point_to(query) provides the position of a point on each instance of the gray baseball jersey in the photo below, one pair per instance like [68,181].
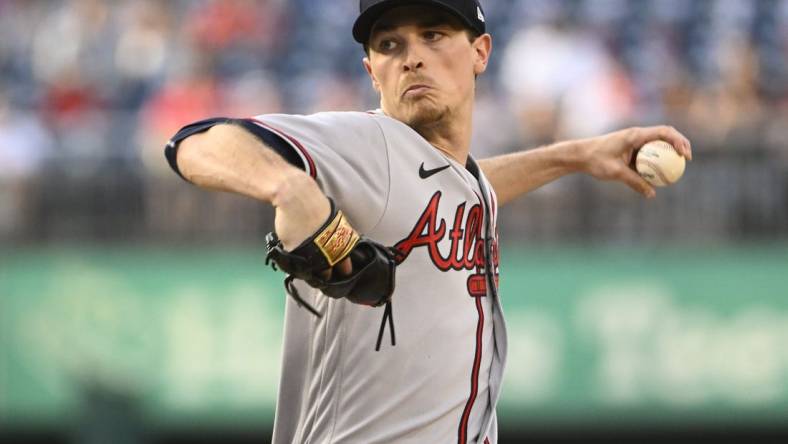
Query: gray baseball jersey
[441,381]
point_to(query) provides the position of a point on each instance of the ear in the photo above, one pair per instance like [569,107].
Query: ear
[368,67]
[482,47]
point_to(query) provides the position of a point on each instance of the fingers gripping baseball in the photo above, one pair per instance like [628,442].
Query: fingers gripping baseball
[612,156]
[641,136]
[637,183]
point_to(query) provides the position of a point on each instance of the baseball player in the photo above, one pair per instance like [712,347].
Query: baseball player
[384,219]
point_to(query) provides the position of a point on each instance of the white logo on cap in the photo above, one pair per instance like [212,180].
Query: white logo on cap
[479,13]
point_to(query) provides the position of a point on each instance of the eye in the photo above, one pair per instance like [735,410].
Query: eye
[432,36]
[386,45]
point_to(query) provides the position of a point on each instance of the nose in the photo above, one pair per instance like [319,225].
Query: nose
[413,59]
[412,64]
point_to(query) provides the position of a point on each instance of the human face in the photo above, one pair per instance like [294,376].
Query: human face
[423,64]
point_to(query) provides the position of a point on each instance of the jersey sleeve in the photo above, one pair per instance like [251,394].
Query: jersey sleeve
[346,153]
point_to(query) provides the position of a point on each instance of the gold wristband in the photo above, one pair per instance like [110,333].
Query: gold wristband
[337,240]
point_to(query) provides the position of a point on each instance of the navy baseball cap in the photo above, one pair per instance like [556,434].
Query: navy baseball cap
[470,12]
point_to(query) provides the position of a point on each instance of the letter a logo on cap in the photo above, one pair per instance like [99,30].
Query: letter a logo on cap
[479,13]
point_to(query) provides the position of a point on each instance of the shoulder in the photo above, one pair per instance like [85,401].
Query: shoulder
[330,127]
[343,119]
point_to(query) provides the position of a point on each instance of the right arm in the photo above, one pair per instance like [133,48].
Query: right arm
[228,158]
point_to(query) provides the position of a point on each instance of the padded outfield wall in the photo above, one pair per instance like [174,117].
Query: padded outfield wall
[599,337]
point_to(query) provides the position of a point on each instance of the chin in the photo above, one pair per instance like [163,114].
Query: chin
[424,115]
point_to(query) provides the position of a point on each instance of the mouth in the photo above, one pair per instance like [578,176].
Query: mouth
[416,89]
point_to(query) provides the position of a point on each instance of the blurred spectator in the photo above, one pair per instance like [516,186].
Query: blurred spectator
[143,49]
[93,86]
[728,109]
[252,94]
[563,83]
[337,93]
[184,98]
[24,146]
[24,142]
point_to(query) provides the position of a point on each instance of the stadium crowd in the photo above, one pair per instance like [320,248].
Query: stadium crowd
[91,89]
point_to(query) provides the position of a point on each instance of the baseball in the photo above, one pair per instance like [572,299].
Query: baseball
[659,163]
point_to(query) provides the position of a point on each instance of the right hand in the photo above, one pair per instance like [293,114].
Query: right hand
[612,156]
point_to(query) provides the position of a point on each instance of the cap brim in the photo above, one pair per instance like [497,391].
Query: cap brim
[364,23]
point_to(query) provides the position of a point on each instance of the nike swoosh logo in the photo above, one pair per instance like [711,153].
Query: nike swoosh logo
[425,174]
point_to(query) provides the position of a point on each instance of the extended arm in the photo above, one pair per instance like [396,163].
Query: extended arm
[608,157]
[228,158]
[313,238]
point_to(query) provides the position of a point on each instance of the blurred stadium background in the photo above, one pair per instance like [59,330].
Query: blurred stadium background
[136,309]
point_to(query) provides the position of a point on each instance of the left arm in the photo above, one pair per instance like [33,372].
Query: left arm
[609,157]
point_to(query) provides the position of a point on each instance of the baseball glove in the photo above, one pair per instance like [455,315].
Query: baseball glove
[371,282]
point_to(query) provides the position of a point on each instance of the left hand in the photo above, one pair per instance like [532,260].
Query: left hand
[612,156]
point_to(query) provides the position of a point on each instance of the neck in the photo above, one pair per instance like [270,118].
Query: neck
[451,133]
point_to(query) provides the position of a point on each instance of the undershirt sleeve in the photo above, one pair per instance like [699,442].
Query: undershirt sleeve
[269,138]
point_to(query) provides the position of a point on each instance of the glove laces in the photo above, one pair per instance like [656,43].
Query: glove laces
[388,315]
[292,291]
